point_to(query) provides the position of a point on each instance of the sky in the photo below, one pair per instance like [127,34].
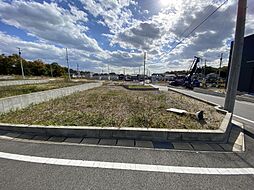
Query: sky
[111,35]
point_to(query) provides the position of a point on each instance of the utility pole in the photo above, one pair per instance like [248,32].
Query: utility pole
[78,72]
[67,61]
[235,63]
[221,55]
[139,70]
[21,64]
[144,67]
[205,68]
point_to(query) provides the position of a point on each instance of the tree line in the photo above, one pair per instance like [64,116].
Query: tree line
[10,65]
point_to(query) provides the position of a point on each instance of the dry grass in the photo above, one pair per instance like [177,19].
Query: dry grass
[6,91]
[117,107]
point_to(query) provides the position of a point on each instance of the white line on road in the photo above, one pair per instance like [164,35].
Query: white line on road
[128,166]
[239,117]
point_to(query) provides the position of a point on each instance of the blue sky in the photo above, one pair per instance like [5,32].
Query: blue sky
[114,33]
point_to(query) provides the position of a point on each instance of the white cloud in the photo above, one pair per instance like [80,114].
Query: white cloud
[49,22]
[115,13]
[166,27]
[57,27]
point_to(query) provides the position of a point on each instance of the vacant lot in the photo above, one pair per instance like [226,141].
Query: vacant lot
[6,91]
[117,107]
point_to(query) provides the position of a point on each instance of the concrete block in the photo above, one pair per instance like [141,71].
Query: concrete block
[13,135]
[222,137]
[216,147]
[106,133]
[94,141]
[41,138]
[34,130]
[201,147]
[57,139]
[26,136]
[124,142]
[73,140]
[111,142]
[93,133]
[182,146]
[173,136]
[144,144]
[162,145]
[227,147]
[190,136]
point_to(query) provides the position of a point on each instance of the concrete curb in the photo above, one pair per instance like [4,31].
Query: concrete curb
[200,99]
[204,91]
[174,135]
[21,82]
[219,136]
[141,89]
[240,98]
[21,101]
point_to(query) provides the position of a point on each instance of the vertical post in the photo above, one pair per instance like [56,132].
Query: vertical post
[67,61]
[78,72]
[144,67]
[221,55]
[21,64]
[205,68]
[124,77]
[235,63]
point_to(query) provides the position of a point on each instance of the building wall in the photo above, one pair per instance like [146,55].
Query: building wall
[246,78]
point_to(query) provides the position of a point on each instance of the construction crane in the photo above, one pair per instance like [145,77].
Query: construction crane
[187,81]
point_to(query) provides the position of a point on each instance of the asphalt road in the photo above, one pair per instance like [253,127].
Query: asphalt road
[26,175]
[16,174]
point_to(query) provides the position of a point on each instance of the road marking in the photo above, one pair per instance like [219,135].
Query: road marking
[239,117]
[128,166]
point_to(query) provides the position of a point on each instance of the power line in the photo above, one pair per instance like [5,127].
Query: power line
[207,9]
[198,25]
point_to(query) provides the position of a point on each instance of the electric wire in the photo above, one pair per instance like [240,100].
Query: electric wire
[212,13]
